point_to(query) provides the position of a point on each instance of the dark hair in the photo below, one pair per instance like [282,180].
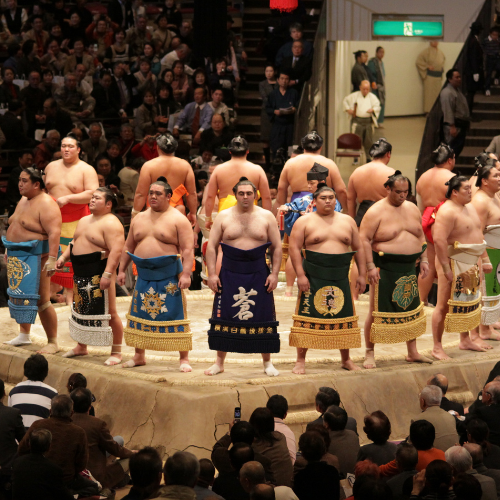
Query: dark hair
[119,30]
[422,435]
[358,53]
[2,389]
[262,421]
[484,171]
[296,26]
[442,154]
[105,72]
[312,446]
[52,102]
[284,71]
[244,182]
[481,159]
[449,73]
[467,487]
[76,380]
[323,401]
[406,456]
[145,467]
[367,487]
[207,471]
[240,454]
[438,477]
[35,175]
[82,399]
[312,141]
[28,47]
[36,368]
[392,179]
[100,157]
[71,135]
[109,196]
[163,85]
[137,163]
[181,469]
[12,50]
[322,431]
[336,418]
[380,148]
[323,187]
[162,181]
[377,427]
[40,440]
[278,406]
[167,143]
[378,48]
[61,406]
[480,433]
[454,184]
[47,71]
[15,105]
[242,432]
[334,395]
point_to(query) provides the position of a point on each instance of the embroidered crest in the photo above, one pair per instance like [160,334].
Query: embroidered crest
[329,300]
[405,291]
[153,303]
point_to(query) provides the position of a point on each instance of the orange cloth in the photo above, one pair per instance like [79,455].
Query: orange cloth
[425,457]
[177,195]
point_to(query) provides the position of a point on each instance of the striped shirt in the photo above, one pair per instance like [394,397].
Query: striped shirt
[32,399]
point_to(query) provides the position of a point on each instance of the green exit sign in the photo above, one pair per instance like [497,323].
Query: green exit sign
[408,28]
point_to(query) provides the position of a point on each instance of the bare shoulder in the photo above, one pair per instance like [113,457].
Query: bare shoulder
[448,210]
[53,165]
[111,221]
[412,209]
[376,209]
[82,165]
[47,202]
[345,219]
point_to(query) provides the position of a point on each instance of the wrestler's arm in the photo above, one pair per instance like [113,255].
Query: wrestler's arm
[483,219]
[186,244]
[367,230]
[441,229]
[351,197]
[265,194]
[192,198]
[274,237]
[481,209]
[211,255]
[359,257]
[51,222]
[114,238]
[339,185]
[211,190]
[141,192]
[295,245]
[282,189]
[90,184]
[125,258]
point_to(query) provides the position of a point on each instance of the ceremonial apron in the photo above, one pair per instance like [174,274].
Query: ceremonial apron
[490,284]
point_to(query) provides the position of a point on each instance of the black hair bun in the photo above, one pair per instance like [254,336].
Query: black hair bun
[162,179]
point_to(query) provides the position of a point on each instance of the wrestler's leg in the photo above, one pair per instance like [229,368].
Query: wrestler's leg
[48,315]
[290,277]
[116,326]
[347,363]
[300,365]
[482,333]
[218,366]
[425,284]
[269,369]
[184,365]
[467,344]
[24,336]
[413,355]
[439,314]
[139,359]
[370,346]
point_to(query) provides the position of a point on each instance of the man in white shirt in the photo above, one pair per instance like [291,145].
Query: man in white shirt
[178,54]
[364,107]
[218,107]
[278,406]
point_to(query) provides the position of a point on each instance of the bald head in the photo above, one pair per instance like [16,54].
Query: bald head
[439,380]
[263,492]
[251,474]
[364,87]
[476,452]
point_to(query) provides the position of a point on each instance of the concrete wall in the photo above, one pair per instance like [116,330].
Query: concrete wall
[351,19]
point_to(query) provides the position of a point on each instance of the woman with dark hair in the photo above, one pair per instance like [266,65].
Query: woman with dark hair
[174,15]
[165,103]
[199,80]
[9,91]
[272,444]
[434,483]
[150,55]
[224,79]
[119,51]
[162,36]
[29,62]
[146,114]
[73,28]
[146,80]
[180,83]
[330,459]
[167,76]
[78,380]
[378,429]
[113,149]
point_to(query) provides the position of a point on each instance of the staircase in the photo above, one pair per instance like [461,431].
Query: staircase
[255,14]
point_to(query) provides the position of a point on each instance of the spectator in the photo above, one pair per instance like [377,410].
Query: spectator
[72,100]
[121,13]
[186,33]
[467,487]
[114,155]
[178,54]
[217,136]
[29,61]
[100,32]
[44,152]
[489,412]
[330,459]
[334,396]
[206,480]
[272,444]
[278,406]
[146,115]
[461,461]
[119,51]
[195,117]
[13,127]
[107,102]
[69,447]
[441,381]
[32,396]
[54,118]
[162,36]
[73,29]
[317,479]
[224,79]
[204,161]
[251,475]
[150,55]
[77,380]
[12,62]
[37,34]
[124,84]
[344,443]
[370,488]
[296,34]
[100,442]
[32,97]
[377,70]
[127,141]
[147,148]
[476,452]
[95,144]
[138,36]
[25,160]
[48,87]
[281,107]
[146,472]
[227,484]
[180,473]
[165,103]
[167,76]
[79,56]
[199,80]
[477,432]
[174,15]
[377,429]
[111,179]
[14,17]
[298,66]
[56,31]
[265,88]
[146,80]
[35,476]
[218,106]
[82,11]
[180,82]
[435,482]
[82,80]
[54,59]
[474,69]
[360,71]
[8,90]
[407,459]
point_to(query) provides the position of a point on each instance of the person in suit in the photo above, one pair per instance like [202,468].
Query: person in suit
[12,127]
[296,33]
[489,411]
[107,103]
[443,422]
[298,66]
[53,118]
[478,433]
[100,442]
[121,12]
[474,69]
[440,380]
[123,84]
[476,452]
[35,476]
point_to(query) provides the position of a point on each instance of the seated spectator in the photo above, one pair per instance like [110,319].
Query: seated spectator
[278,406]
[57,34]
[180,82]
[478,432]
[227,484]
[29,62]
[217,136]
[180,53]
[145,471]
[173,14]
[180,473]
[317,479]
[444,423]
[147,148]
[370,488]
[150,55]
[344,443]
[146,80]
[124,84]
[79,56]
[167,76]
[73,29]
[199,80]
[467,487]
[34,476]
[107,101]
[186,33]
[54,118]
[127,141]
[195,117]
[69,447]
[44,152]
[77,380]
[377,429]
[461,461]
[204,161]
[297,66]
[441,381]
[225,80]
[48,87]
[72,101]
[95,144]
[146,115]
[218,106]
[111,179]
[162,36]
[407,459]
[272,444]
[119,51]
[100,442]
[137,36]
[54,59]
[25,160]
[12,62]
[82,80]
[296,33]
[37,34]
[113,153]
[476,453]
[165,102]
[100,32]
[32,97]
[32,396]
[206,480]
[9,91]
[13,128]
[252,474]
[435,482]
